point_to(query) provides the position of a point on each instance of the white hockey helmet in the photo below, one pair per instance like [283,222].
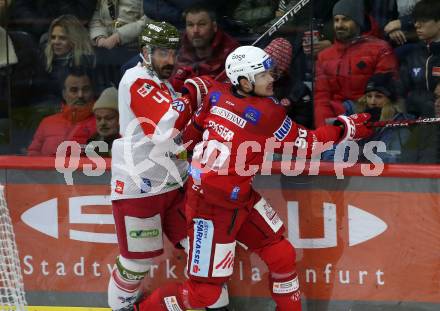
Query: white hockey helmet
[247,61]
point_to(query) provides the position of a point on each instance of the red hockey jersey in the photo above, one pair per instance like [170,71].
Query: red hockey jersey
[237,133]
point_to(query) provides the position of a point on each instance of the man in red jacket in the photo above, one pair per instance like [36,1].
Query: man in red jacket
[342,70]
[204,46]
[76,113]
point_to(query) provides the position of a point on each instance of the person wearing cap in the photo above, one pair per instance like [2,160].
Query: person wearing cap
[381,101]
[402,144]
[295,99]
[106,114]
[420,73]
[420,69]
[343,69]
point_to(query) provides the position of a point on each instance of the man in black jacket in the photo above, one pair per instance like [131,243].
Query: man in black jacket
[420,70]
[419,75]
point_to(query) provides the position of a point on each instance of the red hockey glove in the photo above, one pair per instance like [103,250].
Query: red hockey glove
[354,126]
[198,89]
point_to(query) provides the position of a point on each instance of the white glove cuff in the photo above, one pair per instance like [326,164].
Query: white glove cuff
[349,128]
[201,88]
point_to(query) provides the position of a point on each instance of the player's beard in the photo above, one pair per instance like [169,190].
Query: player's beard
[164,72]
[345,34]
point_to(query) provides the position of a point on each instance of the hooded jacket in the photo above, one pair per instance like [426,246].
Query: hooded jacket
[55,129]
[342,71]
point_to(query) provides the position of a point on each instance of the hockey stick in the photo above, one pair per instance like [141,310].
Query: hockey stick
[280,22]
[403,123]
[283,19]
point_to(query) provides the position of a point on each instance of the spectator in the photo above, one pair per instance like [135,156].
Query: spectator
[254,13]
[117,23]
[68,46]
[76,111]
[380,101]
[295,100]
[204,46]
[343,69]
[419,74]
[35,16]
[400,23]
[170,11]
[420,70]
[7,55]
[107,121]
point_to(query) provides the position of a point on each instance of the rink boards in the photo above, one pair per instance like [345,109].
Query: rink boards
[363,243]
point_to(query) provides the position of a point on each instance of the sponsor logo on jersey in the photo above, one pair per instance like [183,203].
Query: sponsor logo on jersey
[178,105]
[252,115]
[172,304]
[228,115]
[201,248]
[145,89]
[285,287]
[234,193]
[223,260]
[214,97]
[119,187]
[284,129]
[143,234]
[145,185]
[228,102]
[269,215]
[222,130]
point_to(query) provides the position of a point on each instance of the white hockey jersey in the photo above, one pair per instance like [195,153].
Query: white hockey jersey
[145,160]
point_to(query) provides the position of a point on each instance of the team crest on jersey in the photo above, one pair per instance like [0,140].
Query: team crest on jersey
[145,89]
[145,185]
[214,97]
[178,105]
[252,115]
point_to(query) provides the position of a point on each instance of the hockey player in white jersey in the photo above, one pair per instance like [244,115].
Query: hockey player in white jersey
[148,174]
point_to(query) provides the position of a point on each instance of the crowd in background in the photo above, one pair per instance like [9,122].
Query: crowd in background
[61,62]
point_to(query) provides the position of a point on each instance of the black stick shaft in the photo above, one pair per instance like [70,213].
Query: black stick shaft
[283,19]
[403,123]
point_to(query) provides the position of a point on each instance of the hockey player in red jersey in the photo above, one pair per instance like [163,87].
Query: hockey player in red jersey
[236,126]
[147,174]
